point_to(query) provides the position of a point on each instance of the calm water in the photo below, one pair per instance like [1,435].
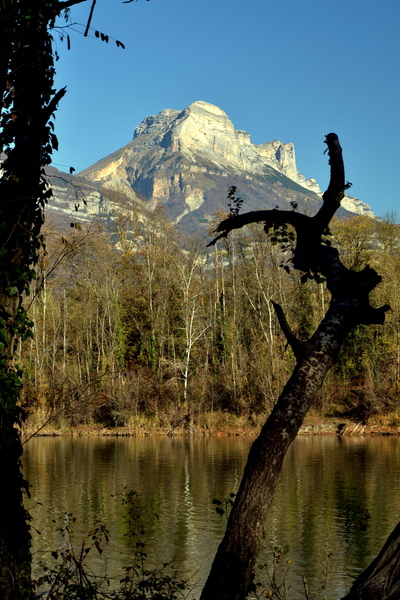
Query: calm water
[324,483]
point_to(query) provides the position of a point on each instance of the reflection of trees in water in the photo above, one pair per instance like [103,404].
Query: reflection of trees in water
[323,481]
[325,484]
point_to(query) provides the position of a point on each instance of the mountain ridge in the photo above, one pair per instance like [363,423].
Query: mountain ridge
[185,160]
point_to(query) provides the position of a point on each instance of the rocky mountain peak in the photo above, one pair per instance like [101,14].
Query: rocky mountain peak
[280,156]
[185,160]
[204,114]
[203,129]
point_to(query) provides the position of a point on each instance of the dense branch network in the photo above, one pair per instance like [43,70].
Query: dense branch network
[312,255]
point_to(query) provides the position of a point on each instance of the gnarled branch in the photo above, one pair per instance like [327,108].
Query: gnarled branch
[312,254]
[272,217]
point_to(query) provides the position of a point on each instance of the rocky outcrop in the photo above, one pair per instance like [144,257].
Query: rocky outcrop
[205,130]
[354,205]
[282,158]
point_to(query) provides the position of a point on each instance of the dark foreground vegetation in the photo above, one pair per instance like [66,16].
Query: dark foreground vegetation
[162,333]
[78,569]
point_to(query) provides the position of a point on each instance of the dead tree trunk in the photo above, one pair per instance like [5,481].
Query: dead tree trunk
[231,572]
[381,580]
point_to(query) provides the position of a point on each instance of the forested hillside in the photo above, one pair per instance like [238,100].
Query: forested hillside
[164,332]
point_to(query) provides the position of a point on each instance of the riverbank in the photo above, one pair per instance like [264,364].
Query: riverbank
[313,425]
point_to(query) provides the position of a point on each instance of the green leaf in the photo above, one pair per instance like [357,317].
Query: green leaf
[54,141]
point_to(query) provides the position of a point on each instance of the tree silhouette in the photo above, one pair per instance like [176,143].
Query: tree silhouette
[231,572]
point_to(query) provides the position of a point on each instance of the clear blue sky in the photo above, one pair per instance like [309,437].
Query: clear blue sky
[292,70]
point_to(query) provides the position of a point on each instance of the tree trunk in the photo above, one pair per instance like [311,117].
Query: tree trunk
[15,557]
[231,572]
[28,101]
[381,580]
[232,568]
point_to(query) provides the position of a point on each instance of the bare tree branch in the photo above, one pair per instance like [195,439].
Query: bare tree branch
[68,3]
[297,345]
[272,217]
[312,255]
[89,18]
[307,228]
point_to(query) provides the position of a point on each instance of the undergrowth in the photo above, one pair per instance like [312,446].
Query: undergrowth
[69,576]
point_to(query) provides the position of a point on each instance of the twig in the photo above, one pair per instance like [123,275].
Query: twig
[305,584]
[90,18]
[76,390]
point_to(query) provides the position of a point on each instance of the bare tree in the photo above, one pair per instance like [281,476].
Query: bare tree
[231,572]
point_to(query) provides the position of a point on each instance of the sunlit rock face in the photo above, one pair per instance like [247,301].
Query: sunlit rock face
[354,205]
[282,157]
[186,160]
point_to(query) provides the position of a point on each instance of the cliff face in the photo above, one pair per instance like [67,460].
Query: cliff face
[186,160]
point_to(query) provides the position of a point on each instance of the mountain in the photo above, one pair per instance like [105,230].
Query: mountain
[185,161]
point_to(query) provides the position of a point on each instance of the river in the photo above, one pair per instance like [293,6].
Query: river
[325,485]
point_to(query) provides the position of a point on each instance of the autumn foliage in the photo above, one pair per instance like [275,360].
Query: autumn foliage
[149,329]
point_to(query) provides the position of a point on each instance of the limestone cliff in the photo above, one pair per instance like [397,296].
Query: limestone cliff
[186,160]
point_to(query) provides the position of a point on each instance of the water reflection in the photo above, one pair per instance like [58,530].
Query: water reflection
[323,482]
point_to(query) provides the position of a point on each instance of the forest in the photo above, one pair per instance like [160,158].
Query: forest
[144,328]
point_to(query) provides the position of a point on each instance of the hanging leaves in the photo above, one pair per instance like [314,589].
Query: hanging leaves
[106,38]
[234,203]
[54,141]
